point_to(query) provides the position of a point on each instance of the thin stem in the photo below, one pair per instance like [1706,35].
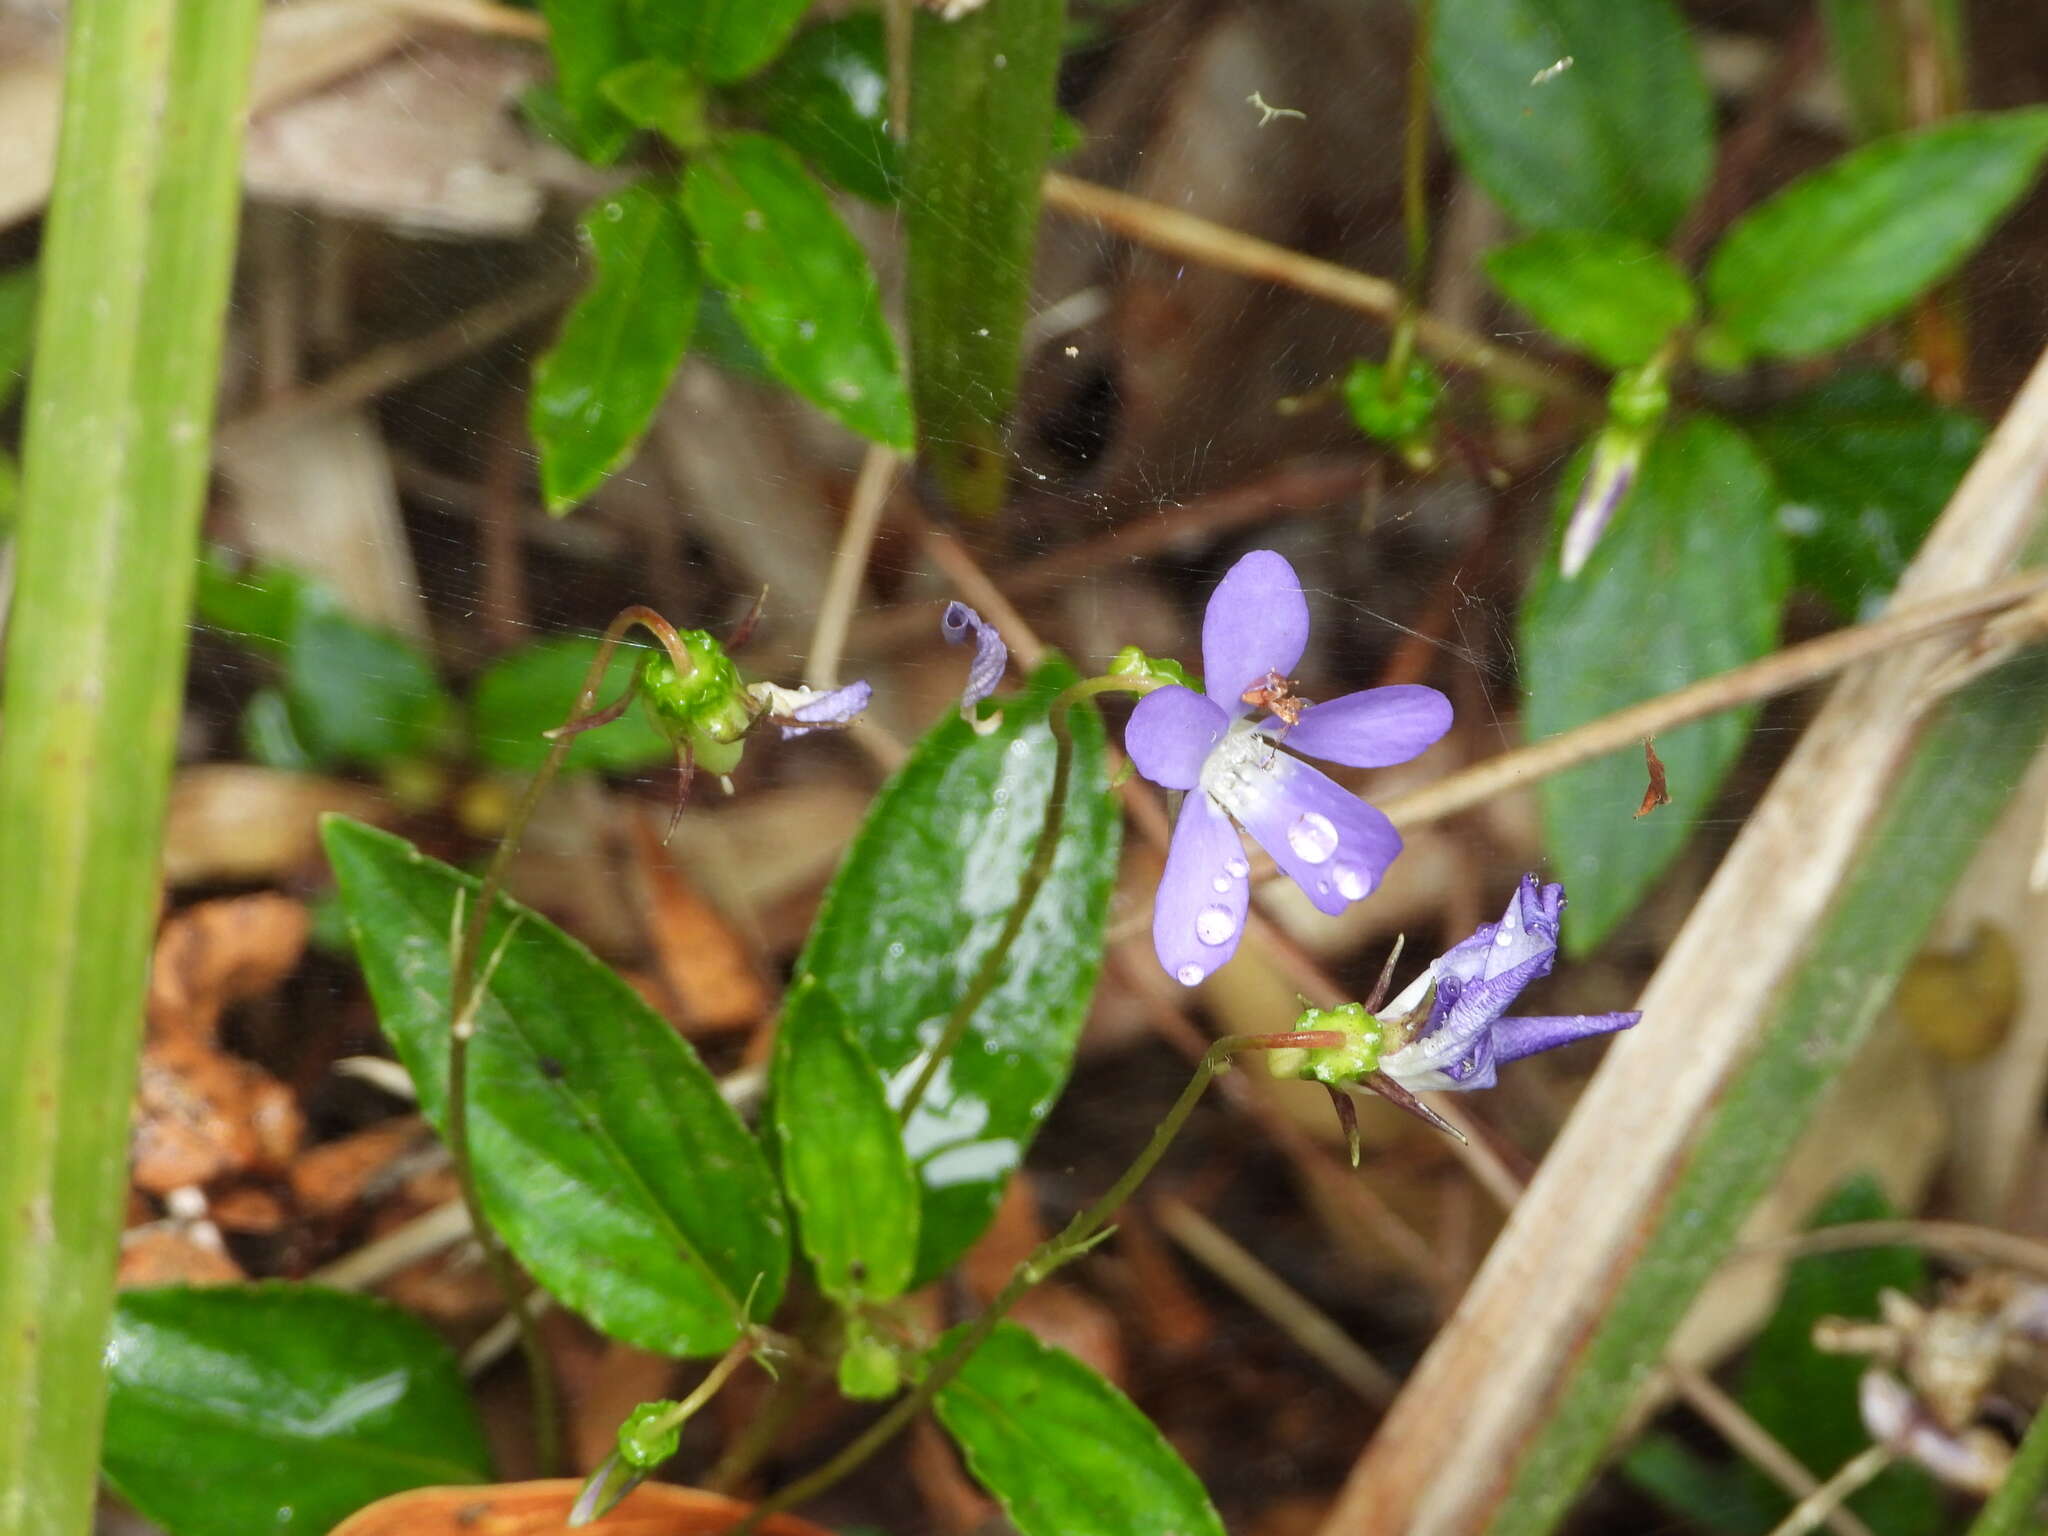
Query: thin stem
[1183,234]
[1758,1445]
[465,995]
[1075,1239]
[1414,195]
[849,565]
[1816,1506]
[1955,1240]
[1791,668]
[1035,875]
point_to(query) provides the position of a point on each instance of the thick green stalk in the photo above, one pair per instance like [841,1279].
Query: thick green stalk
[2011,1511]
[1960,776]
[136,258]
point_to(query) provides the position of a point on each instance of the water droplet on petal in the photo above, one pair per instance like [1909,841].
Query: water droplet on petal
[1503,938]
[1237,869]
[1215,925]
[1220,884]
[1353,883]
[1190,974]
[1312,837]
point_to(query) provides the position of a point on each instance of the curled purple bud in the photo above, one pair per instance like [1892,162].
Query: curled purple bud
[1609,479]
[800,711]
[990,654]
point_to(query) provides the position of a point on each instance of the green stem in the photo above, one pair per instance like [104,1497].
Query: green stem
[1035,876]
[465,996]
[1414,196]
[1075,1239]
[136,257]
[2011,1510]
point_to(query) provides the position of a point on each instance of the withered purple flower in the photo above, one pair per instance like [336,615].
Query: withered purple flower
[991,655]
[1242,772]
[1463,1037]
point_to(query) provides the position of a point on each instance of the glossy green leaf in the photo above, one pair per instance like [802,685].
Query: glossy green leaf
[531,691]
[596,388]
[589,39]
[1063,1450]
[844,1163]
[1687,582]
[276,1407]
[622,1180]
[1612,296]
[798,283]
[1853,243]
[17,328]
[722,40]
[1576,114]
[827,97]
[981,125]
[919,900]
[662,97]
[1864,465]
[1807,1399]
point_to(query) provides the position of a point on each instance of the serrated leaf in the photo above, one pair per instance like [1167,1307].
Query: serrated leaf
[17,328]
[798,283]
[588,40]
[597,387]
[919,900]
[1063,1450]
[981,126]
[604,1153]
[1864,465]
[827,97]
[1613,296]
[1853,243]
[1687,581]
[1576,114]
[275,1407]
[722,40]
[844,1164]
[1807,1399]
[531,690]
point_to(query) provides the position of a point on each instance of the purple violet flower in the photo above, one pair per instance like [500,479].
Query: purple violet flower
[1464,1038]
[1331,843]
[991,655]
[800,711]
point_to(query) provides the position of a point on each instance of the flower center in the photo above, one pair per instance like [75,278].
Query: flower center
[1238,772]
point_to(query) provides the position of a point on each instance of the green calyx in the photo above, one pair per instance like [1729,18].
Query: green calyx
[650,1434]
[1400,410]
[869,1369]
[1147,672]
[707,708]
[1336,1066]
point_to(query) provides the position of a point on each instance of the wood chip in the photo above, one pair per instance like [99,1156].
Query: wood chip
[333,1178]
[702,957]
[217,953]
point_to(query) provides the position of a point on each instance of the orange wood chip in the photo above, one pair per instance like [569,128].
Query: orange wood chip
[542,1509]
[330,1179]
[167,1254]
[703,960]
[201,1115]
[217,952]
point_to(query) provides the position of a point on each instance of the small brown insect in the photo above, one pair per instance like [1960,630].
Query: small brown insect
[1656,794]
[1276,694]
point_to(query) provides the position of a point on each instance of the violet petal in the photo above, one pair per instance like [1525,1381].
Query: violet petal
[1170,733]
[1327,840]
[1198,910]
[838,707]
[991,655]
[1373,728]
[1530,924]
[1515,1038]
[1257,623]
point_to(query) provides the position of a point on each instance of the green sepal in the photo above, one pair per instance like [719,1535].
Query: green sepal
[1335,1066]
[650,1434]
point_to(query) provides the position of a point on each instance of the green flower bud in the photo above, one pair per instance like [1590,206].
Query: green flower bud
[1639,397]
[649,1435]
[1338,1065]
[1400,415]
[1157,672]
[708,707]
[868,1368]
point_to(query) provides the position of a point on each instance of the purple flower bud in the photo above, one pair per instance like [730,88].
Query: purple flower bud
[991,656]
[800,711]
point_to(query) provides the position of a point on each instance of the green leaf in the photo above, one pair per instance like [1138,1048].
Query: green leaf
[844,1164]
[1807,1399]
[827,97]
[1612,296]
[276,1407]
[257,604]
[1712,1495]
[17,328]
[589,39]
[1063,1450]
[532,690]
[798,283]
[1853,243]
[1618,139]
[723,40]
[981,126]
[1687,582]
[658,95]
[1864,465]
[919,900]
[596,388]
[605,1156]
